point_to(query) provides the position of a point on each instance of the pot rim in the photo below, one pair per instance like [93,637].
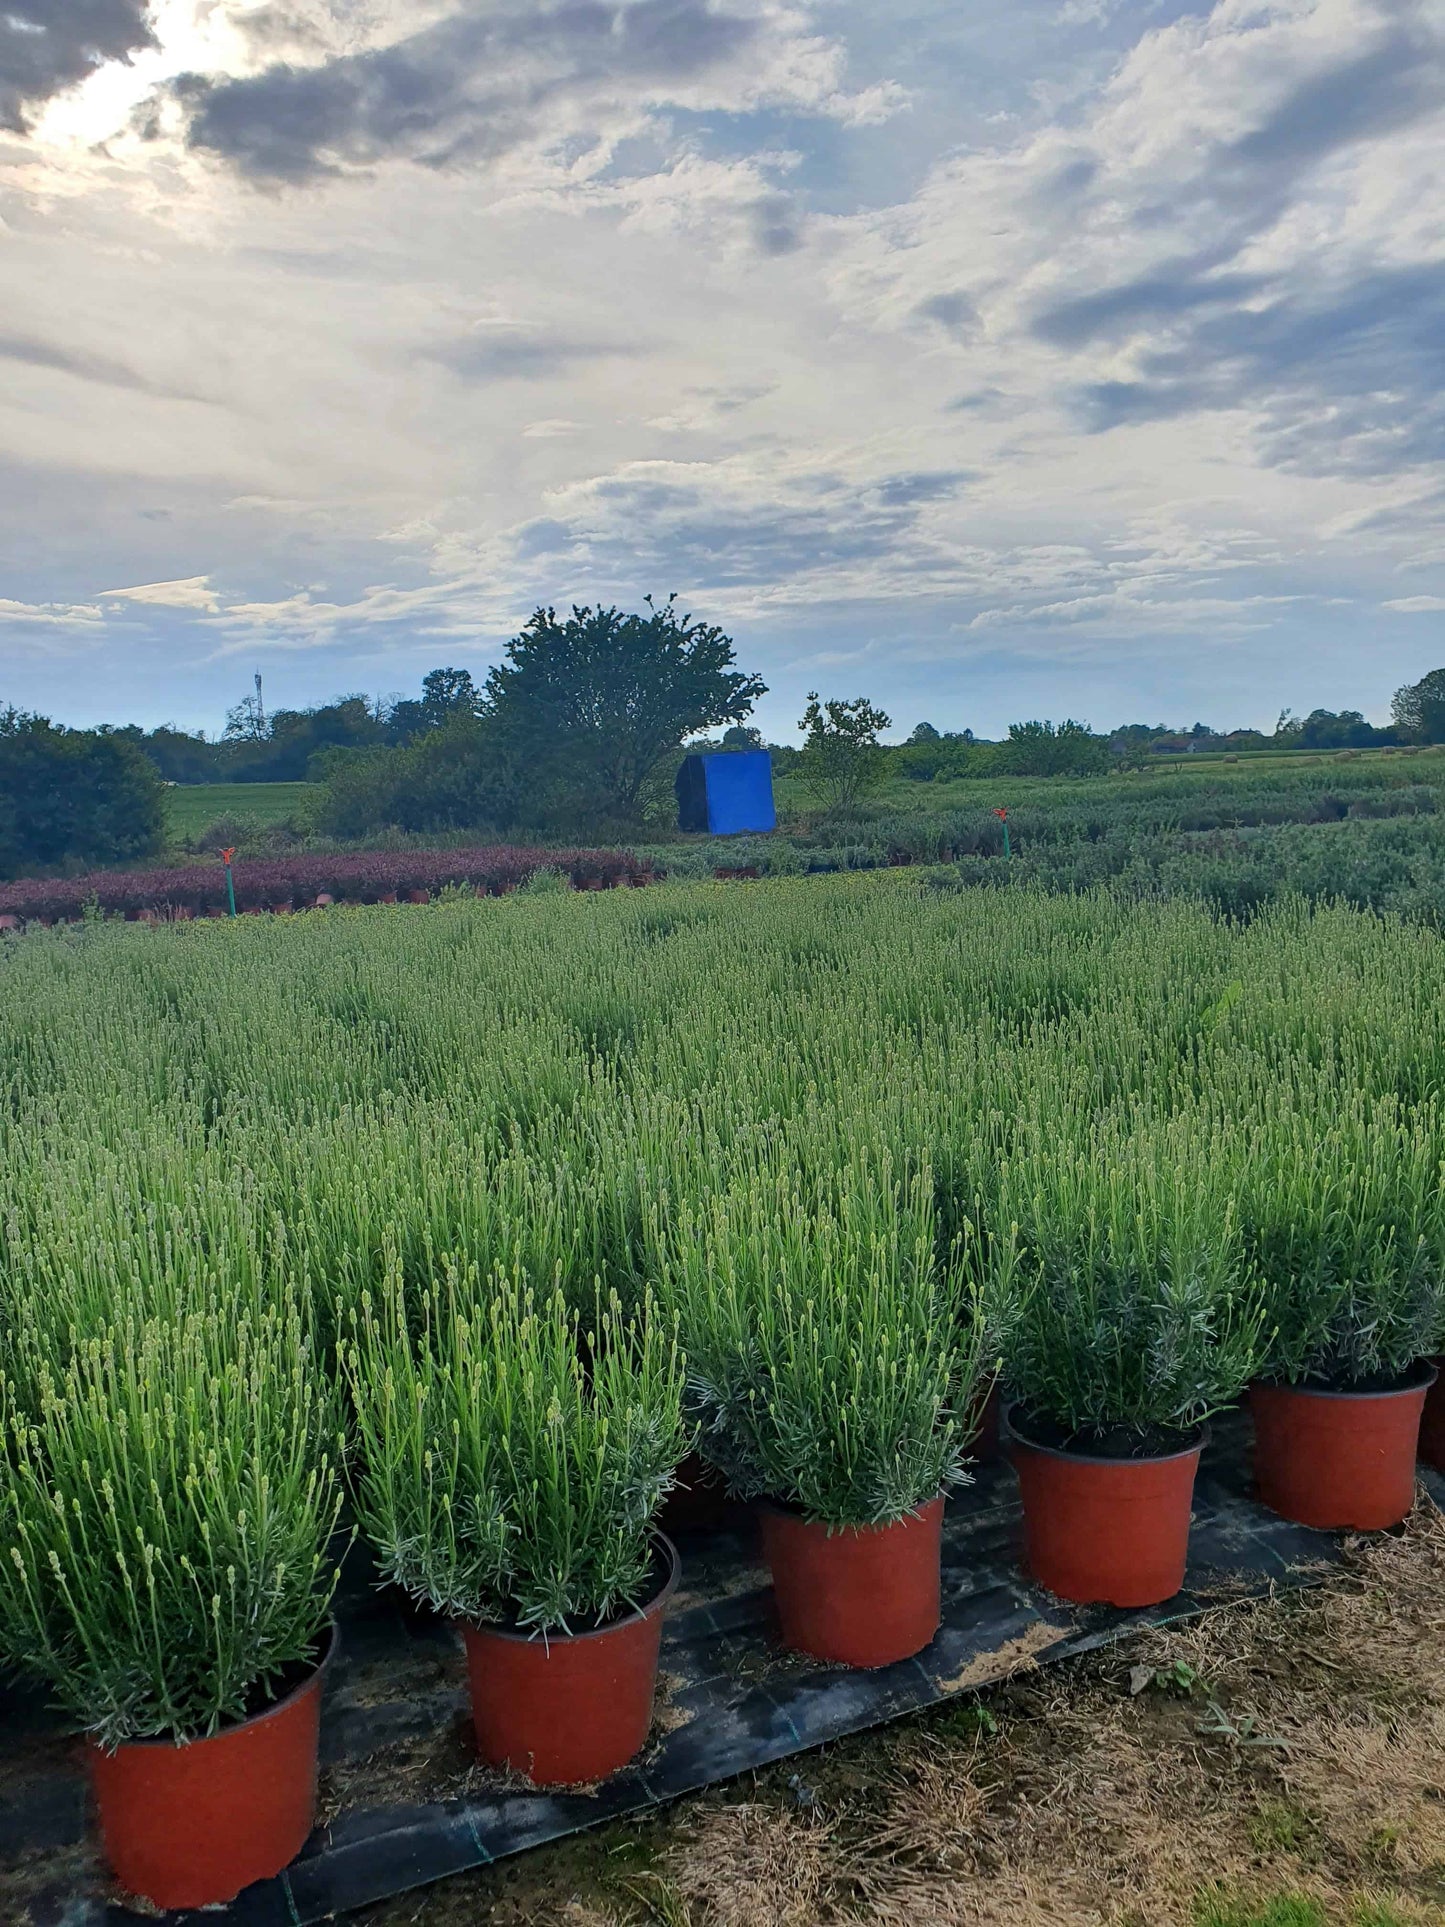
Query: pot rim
[1422,1375]
[489,1629]
[317,1673]
[783,1509]
[1103,1458]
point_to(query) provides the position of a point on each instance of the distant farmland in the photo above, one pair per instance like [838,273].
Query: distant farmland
[194,806]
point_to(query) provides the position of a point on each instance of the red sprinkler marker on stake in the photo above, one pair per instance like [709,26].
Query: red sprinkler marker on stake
[1002,816]
[226,856]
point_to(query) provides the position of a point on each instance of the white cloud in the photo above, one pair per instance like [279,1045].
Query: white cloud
[189,592]
[50,615]
[1128,349]
[1417,605]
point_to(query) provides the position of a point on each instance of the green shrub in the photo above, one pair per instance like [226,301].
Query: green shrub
[1345,1218]
[461,776]
[167,1497]
[73,797]
[1115,1276]
[831,1355]
[545,882]
[512,1463]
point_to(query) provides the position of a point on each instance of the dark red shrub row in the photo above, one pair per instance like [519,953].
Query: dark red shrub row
[293,882]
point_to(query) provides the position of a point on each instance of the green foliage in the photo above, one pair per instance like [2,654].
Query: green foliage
[1330,729]
[463,774]
[1115,1276]
[73,797]
[841,758]
[830,1354]
[1041,749]
[1284,1910]
[1418,709]
[166,1501]
[592,704]
[787,1107]
[1345,1217]
[544,883]
[513,1465]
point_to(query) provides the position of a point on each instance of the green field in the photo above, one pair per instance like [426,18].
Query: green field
[193,807]
[851,1142]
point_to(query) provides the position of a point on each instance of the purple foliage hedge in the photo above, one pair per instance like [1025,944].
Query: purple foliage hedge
[364,877]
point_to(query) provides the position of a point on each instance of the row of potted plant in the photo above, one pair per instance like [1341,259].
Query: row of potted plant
[293,882]
[170,1487]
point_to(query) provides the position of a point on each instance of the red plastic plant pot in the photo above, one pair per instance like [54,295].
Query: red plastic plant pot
[1339,1460]
[566,1709]
[1432,1424]
[191,1824]
[1105,1530]
[862,1596]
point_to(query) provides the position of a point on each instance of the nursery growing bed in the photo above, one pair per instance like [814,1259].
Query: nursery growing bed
[404,1804]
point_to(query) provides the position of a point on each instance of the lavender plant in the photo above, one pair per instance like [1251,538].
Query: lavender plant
[1116,1279]
[168,1495]
[832,1354]
[1345,1218]
[512,1461]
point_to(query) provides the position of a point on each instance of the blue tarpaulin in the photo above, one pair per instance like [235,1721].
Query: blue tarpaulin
[727,793]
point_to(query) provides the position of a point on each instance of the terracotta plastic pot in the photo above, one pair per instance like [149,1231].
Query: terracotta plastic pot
[1106,1530]
[1339,1459]
[570,1708]
[190,1825]
[1432,1423]
[865,1596]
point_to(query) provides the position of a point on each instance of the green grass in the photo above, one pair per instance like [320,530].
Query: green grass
[1285,1910]
[1294,1910]
[193,807]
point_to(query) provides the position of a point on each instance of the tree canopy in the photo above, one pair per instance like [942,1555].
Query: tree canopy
[842,758]
[1419,708]
[596,701]
[73,796]
[1068,748]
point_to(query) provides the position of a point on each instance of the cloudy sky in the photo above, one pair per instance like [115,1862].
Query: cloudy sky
[1028,357]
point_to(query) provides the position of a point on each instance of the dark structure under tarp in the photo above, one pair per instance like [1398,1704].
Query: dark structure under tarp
[404,1803]
[727,793]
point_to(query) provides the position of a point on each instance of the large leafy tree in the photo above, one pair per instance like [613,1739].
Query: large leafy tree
[73,796]
[1419,708]
[595,702]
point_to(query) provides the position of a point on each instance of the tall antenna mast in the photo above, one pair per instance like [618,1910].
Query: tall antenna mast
[260,708]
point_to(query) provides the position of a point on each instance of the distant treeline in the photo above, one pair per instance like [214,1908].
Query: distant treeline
[292,745]
[277,746]
[576,732]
